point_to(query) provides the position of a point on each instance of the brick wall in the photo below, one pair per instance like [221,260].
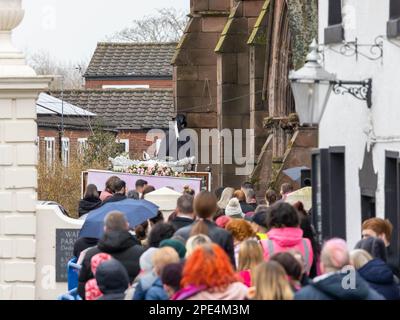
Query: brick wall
[73,136]
[154,84]
[137,141]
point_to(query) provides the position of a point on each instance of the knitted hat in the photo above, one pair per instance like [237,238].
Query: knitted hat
[175,244]
[98,259]
[222,221]
[233,209]
[145,260]
[374,246]
[171,275]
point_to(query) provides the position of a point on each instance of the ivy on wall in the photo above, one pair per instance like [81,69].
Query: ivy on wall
[303,23]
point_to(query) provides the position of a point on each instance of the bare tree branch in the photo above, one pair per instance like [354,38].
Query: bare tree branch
[70,73]
[167,25]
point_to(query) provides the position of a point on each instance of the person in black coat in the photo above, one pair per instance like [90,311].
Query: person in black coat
[334,258]
[205,206]
[309,233]
[380,277]
[120,193]
[119,243]
[90,201]
[112,280]
[82,244]
[184,215]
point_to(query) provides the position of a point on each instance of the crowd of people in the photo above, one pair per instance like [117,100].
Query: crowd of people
[223,245]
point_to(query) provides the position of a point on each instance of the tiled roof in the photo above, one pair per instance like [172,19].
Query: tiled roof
[132,60]
[132,109]
[70,122]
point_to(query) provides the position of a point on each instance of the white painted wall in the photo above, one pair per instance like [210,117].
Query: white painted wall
[49,218]
[346,118]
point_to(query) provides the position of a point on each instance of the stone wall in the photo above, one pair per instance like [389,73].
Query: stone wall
[195,67]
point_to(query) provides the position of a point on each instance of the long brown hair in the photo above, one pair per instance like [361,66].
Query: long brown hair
[205,206]
[271,282]
[250,255]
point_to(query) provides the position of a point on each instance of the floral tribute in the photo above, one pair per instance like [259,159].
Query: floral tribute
[153,170]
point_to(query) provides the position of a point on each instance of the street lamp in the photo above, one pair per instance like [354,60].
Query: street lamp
[312,86]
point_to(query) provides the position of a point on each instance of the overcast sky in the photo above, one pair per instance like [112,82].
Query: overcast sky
[70,29]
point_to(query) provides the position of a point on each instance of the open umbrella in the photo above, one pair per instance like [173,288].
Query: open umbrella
[295,173]
[136,212]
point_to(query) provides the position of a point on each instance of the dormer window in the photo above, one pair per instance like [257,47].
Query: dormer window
[393,25]
[334,32]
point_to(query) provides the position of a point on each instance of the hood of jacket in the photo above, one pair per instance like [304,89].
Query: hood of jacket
[377,271]
[332,285]
[147,280]
[286,237]
[116,241]
[112,277]
[88,204]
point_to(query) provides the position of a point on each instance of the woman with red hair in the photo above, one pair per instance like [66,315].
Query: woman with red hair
[208,275]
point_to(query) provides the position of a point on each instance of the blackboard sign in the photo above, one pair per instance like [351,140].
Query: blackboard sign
[65,239]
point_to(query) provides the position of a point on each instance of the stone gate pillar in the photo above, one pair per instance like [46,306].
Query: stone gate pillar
[19,88]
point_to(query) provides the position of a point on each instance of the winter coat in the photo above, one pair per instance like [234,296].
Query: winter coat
[181,222]
[92,291]
[245,275]
[218,235]
[380,277]
[122,246]
[145,282]
[115,198]
[247,207]
[330,287]
[104,195]
[393,261]
[88,204]
[285,239]
[156,291]
[82,244]
[112,279]
[235,291]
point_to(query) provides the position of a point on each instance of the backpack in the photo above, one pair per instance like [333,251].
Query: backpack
[270,249]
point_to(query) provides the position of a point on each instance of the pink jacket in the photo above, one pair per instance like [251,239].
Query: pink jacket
[285,239]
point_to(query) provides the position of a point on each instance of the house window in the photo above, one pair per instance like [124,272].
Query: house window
[393,25]
[65,151]
[392,197]
[123,145]
[49,150]
[394,9]
[368,181]
[82,146]
[329,198]
[334,32]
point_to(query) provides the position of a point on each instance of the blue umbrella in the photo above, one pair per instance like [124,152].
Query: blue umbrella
[136,212]
[295,173]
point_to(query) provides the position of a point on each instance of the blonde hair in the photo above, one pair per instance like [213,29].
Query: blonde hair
[271,282]
[250,255]
[195,241]
[359,258]
[164,256]
[226,195]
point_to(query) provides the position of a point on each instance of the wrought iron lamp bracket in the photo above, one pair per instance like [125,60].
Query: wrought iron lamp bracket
[362,90]
[374,51]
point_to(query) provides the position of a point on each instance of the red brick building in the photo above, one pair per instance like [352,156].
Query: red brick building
[129,87]
[130,65]
[231,72]
[63,128]
[132,112]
